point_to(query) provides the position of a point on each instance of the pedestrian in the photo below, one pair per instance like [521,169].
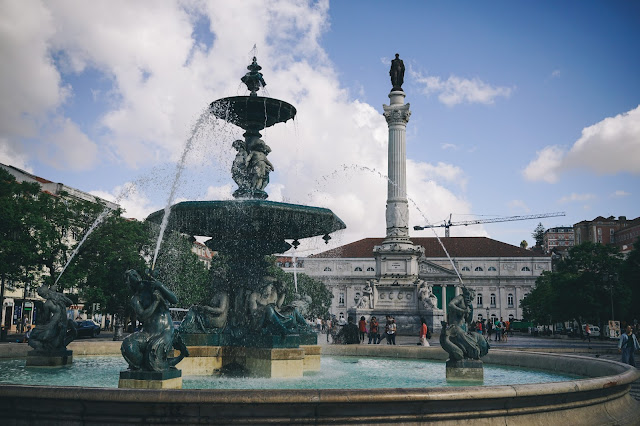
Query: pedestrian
[498,326]
[391,333]
[479,327]
[324,325]
[423,333]
[349,333]
[362,329]
[374,335]
[627,345]
[329,328]
[587,332]
[489,328]
[27,335]
[505,331]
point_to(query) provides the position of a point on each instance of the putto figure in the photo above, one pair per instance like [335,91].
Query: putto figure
[456,339]
[148,349]
[54,331]
[397,73]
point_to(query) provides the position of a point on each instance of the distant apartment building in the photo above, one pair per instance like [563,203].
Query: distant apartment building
[559,238]
[619,232]
[289,263]
[203,252]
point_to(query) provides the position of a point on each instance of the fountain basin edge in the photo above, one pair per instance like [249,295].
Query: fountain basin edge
[601,399]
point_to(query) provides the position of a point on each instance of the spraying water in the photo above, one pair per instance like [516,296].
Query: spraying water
[196,131]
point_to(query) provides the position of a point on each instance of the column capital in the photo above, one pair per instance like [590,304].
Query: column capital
[397,114]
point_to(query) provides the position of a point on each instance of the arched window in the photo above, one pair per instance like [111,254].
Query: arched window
[493,299]
[358,269]
[493,318]
[480,317]
[341,315]
[510,317]
[479,299]
[465,268]
[510,300]
[478,269]
[370,269]
[327,269]
[492,268]
[525,269]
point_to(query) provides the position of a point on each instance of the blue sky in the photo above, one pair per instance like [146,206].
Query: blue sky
[517,107]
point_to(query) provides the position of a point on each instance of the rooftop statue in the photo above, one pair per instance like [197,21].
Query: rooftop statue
[54,331]
[148,348]
[397,73]
[455,338]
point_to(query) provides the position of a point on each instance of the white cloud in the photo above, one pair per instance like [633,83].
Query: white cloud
[162,79]
[576,197]
[610,146]
[555,73]
[518,206]
[620,193]
[546,166]
[451,146]
[456,90]
[66,145]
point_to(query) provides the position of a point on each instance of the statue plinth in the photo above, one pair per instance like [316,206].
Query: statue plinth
[139,379]
[54,358]
[465,370]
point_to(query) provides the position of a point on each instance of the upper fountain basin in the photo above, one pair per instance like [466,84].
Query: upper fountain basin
[249,220]
[252,112]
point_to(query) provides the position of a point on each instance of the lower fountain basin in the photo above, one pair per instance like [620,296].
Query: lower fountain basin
[603,398]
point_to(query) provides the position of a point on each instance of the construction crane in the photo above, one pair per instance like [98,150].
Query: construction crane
[447,223]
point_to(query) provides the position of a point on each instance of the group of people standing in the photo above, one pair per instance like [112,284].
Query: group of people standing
[372,329]
[501,328]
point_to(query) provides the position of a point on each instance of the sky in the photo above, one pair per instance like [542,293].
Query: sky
[517,108]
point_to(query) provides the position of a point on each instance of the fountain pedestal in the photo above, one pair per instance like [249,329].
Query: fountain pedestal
[166,379]
[58,358]
[275,362]
[465,369]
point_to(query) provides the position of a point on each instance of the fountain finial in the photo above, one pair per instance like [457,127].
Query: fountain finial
[253,79]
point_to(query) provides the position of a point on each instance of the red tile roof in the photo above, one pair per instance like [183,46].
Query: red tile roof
[456,246]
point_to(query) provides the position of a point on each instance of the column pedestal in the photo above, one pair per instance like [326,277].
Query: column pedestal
[465,370]
[166,379]
[49,358]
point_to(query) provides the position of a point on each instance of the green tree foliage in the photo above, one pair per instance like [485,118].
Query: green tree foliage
[97,270]
[581,289]
[630,283]
[307,286]
[524,244]
[183,272]
[538,235]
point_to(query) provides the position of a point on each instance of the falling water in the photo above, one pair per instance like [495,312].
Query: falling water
[354,167]
[195,132]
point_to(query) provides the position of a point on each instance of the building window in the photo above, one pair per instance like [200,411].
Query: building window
[491,268]
[493,300]
[370,269]
[479,299]
[478,269]
[525,269]
[341,298]
[510,300]
[480,317]
[465,268]
[493,318]
[358,269]
[327,269]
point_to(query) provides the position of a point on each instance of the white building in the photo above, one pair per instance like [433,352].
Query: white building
[499,273]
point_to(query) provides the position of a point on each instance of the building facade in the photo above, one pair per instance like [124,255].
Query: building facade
[500,274]
[559,238]
[620,232]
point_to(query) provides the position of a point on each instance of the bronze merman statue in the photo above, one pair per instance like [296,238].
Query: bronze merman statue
[54,331]
[148,349]
[455,338]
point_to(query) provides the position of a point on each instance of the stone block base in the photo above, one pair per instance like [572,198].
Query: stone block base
[311,357]
[49,358]
[202,361]
[465,370]
[166,379]
[275,362]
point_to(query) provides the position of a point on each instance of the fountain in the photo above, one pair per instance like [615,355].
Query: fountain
[246,323]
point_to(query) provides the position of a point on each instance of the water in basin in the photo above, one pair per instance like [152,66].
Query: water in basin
[335,373]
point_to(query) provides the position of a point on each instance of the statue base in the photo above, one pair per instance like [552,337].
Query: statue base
[275,362]
[465,370]
[138,379]
[311,357]
[58,358]
[250,193]
[202,361]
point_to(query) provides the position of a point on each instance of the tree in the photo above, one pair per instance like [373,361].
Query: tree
[538,235]
[630,285]
[524,244]
[307,286]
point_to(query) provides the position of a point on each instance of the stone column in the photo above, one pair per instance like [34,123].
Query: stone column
[397,211]
[444,301]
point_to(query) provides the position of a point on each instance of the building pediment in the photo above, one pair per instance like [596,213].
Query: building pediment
[427,268]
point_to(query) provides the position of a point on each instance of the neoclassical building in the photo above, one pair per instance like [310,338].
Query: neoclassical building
[499,273]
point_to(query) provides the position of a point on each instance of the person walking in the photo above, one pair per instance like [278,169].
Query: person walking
[627,345]
[391,333]
[373,331]
[423,333]
[362,328]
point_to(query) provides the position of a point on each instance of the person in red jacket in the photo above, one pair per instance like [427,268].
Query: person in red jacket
[362,328]
[423,333]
